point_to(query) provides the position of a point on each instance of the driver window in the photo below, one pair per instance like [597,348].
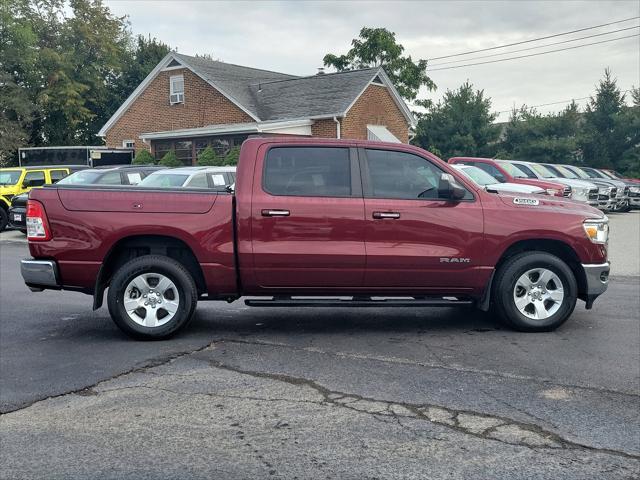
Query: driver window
[308,171]
[34,179]
[402,175]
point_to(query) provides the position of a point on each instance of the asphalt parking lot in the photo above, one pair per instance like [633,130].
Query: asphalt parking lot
[320,393]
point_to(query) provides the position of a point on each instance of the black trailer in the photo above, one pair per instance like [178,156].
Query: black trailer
[88,156]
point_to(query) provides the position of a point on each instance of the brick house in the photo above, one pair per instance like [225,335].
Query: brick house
[187,103]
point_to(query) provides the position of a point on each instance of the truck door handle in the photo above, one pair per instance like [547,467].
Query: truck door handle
[275,213]
[382,215]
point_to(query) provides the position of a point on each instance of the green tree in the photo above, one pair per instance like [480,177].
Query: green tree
[551,138]
[143,157]
[627,122]
[232,156]
[377,47]
[209,158]
[170,160]
[460,124]
[603,142]
[16,114]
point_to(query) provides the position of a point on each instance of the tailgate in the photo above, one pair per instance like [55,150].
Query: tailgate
[136,200]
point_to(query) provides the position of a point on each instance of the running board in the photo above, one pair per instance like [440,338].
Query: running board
[358,302]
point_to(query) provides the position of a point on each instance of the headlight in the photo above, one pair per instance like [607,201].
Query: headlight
[580,192]
[597,230]
[634,189]
[552,191]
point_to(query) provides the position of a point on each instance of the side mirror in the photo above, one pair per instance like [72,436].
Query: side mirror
[449,189]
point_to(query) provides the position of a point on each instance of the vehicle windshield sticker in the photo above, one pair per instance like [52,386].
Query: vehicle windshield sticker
[526,201]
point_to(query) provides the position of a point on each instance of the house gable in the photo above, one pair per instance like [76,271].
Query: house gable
[375,106]
[151,110]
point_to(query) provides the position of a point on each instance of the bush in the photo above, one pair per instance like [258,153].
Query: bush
[170,160]
[209,158]
[143,157]
[232,157]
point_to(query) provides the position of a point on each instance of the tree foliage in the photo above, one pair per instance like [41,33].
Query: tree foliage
[209,158]
[170,160]
[143,157]
[377,47]
[67,66]
[232,156]
[460,124]
[551,138]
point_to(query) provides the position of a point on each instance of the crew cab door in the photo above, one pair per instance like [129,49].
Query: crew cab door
[307,218]
[415,240]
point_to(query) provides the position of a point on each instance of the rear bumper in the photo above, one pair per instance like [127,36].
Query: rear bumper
[39,274]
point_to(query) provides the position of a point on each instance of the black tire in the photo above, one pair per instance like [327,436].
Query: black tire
[24,232]
[4,219]
[176,272]
[505,284]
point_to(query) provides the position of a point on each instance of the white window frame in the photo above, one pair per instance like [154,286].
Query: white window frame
[179,96]
[128,144]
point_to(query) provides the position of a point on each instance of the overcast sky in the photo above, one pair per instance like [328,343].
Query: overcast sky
[293,37]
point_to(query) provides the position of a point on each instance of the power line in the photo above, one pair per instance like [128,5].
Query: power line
[532,54]
[556,103]
[538,46]
[534,39]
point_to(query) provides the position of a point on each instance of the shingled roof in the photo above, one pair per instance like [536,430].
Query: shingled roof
[266,95]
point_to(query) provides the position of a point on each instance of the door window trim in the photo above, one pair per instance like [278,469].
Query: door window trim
[356,180]
[368,189]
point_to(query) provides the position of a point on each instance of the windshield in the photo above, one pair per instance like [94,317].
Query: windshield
[542,171]
[80,178]
[609,175]
[554,170]
[480,177]
[566,173]
[164,180]
[593,173]
[10,177]
[526,170]
[512,170]
[579,172]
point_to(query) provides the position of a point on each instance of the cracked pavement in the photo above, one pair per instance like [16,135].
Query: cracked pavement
[322,393]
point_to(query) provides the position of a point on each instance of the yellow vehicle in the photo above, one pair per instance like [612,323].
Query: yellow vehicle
[17,180]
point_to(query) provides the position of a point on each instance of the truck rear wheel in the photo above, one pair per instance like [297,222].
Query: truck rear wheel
[152,297]
[535,292]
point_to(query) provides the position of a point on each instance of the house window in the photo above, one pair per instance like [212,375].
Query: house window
[184,151]
[176,89]
[161,149]
[128,144]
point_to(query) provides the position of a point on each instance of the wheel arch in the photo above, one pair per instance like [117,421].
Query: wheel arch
[134,246]
[560,249]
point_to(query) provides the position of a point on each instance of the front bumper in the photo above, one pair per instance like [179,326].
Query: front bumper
[39,274]
[597,280]
[21,223]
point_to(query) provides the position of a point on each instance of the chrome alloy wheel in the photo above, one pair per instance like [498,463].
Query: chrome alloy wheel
[151,300]
[538,293]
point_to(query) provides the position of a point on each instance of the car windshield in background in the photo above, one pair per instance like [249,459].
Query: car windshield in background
[526,170]
[593,173]
[566,172]
[80,178]
[164,180]
[580,173]
[480,177]
[544,172]
[10,177]
[512,170]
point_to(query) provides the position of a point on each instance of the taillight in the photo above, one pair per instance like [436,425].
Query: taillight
[37,223]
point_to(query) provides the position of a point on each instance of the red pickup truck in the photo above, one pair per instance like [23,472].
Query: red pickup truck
[318,223]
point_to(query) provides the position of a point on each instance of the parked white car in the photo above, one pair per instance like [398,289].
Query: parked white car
[491,184]
[191,177]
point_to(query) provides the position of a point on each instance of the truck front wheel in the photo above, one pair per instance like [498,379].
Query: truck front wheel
[535,292]
[152,297]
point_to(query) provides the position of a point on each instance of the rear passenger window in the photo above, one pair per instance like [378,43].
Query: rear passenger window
[308,171]
[111,178]
[34,179]
[198,181]
[57,175]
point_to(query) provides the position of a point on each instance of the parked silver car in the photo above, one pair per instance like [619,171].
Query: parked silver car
[492,184]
